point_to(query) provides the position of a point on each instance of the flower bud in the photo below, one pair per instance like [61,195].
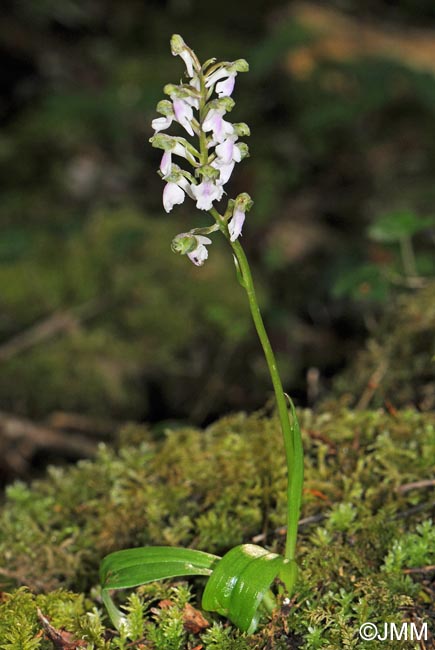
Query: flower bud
[243,202]
[241,129]
[180,92]
[244,150]
[184,243]
[164,107]
[240,65]
[163,141]
[225,104]
[177,44]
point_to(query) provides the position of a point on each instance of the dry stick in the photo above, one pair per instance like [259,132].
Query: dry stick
[402,489]
[306,521]
[372,385]
[45,329]
[23,579]
[421,569]
[314,519]
[20,439]
[96,428]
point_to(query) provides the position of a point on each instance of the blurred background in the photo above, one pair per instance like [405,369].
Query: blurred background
[101,323]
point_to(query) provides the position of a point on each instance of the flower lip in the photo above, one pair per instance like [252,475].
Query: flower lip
[200,253]
[172,195]
[205,193]
[215,123]
[192,245]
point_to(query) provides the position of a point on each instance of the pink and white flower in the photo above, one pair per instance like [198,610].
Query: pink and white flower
[172,195]
[235,225]
[228,151]
[200,253]
[205,193]
[179,48]
[183,114]
[218,152]
[225,171]
[162,123]
[166,162]
[242,204]
[225,87]
[175,191]
[215,122]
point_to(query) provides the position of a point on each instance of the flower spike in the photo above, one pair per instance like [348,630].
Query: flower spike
[200,106]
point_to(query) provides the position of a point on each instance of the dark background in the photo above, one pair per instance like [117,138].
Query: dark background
[97,316]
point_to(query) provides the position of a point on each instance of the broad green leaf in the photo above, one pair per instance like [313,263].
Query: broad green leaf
[137,566]
[396,225]
[241,581]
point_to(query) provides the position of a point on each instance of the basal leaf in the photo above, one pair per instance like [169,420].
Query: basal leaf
[241,580]
[137,566]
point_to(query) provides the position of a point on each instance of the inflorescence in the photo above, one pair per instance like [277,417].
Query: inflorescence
[200,107]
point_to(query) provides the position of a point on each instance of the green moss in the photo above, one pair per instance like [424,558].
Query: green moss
[216,488]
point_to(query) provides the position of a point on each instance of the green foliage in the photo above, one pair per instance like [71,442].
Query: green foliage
[416,549]
[224,638]
[395,226]
[55,532]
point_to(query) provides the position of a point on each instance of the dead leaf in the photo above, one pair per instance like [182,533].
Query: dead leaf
[193,620]
[165,604]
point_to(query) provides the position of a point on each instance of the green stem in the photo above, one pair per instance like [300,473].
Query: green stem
[202,134]
[290,430]
[286,427]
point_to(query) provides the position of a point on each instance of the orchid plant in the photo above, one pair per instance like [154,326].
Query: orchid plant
[239,584]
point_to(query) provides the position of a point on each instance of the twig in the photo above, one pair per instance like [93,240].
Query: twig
[306,521]
[94,427]
[21,439]
[49,327]
[421,569]
[416,485]
[372,385]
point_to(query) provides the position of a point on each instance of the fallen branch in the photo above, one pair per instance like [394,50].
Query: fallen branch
[21,440]
[421,569]
[417,485]
[60,321]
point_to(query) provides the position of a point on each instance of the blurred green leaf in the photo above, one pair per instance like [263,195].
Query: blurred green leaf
[364,282]
[395,226]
